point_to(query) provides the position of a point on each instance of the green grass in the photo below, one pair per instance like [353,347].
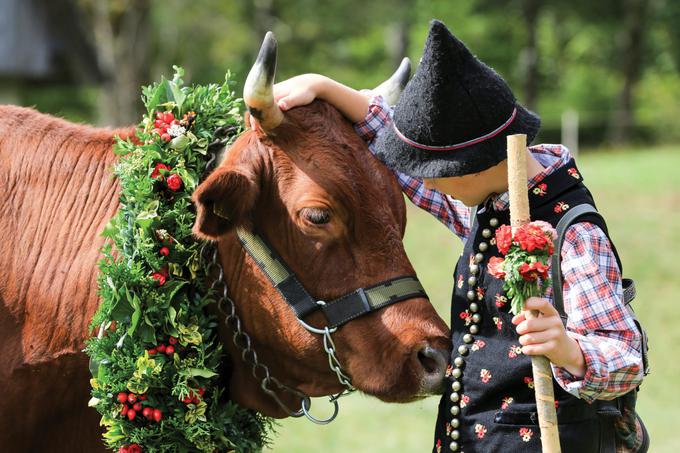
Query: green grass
[638,191]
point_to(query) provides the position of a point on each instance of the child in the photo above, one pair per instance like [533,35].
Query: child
[446,142]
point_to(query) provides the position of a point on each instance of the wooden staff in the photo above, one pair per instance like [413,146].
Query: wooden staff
[519,215]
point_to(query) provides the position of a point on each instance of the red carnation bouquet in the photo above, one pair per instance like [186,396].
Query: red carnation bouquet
[526,263]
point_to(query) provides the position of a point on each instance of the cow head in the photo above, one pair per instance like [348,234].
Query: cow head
[337,217]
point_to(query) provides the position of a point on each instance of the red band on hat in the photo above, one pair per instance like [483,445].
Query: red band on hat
[474,141]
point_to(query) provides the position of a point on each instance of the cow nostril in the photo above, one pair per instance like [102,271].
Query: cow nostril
[429,363]
[433,360]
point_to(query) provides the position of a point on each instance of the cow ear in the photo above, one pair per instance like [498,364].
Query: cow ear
[224,201]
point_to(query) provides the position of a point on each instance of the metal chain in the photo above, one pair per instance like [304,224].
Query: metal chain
[241,339]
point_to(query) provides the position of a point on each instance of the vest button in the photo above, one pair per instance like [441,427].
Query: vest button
[459,362]
[455,386]
[479,258]
[455,423]
[454,397]
[455,410]
[456,373]
[471,295]
[476,318]
[474,308]
[453,446]
[486,233]
[474,268]
[462,349]
[467,338]
[472,281]
[483,246]
[455,434]
[474,329]
[493,222]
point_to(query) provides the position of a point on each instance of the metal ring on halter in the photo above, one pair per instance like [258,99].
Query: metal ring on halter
[314,329]
[307,405]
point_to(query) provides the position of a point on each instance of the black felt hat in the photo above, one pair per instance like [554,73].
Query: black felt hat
[454,115]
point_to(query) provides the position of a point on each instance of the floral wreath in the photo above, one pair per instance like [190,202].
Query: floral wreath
[156,360]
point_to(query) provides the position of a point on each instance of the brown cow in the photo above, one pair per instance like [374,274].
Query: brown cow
[58,194]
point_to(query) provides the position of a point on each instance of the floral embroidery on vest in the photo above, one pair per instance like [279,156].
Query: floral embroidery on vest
[574,173]
[477,345]
[438,446]
[464,400]
[467,316]
[514,351]
[507,401]
[449,428]
[480,293]
[449,371]
[480,430]
[526,434]
[541,189]
[501,300]
[460,282]
[498,322]
[560,207]
[485,375]
[529,382]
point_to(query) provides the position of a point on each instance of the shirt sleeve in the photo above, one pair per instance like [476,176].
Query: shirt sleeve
[598,318]
[452,213]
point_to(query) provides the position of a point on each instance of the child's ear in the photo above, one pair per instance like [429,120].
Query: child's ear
[225,200]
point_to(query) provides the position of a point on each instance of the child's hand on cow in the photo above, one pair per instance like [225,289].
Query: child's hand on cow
[298,90]
[546,336]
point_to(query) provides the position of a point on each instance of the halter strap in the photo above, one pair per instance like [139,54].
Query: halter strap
[465,144]
[338,311]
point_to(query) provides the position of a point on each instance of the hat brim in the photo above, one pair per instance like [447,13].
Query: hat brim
[416,162]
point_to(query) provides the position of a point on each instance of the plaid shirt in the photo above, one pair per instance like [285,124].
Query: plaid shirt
[598,320]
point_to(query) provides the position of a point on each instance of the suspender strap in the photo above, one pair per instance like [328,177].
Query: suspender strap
[563,225]
[337,311]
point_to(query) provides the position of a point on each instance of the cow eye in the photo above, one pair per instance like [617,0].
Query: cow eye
[317,216]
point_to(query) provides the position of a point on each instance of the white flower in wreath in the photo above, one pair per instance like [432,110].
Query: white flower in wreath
[176,130]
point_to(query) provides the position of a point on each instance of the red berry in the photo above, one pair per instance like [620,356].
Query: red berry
[175,122]
[164,251]
[147,413]
[201,391]
[137,406]
[160,278]
[142,397]
[168,117]
[132,398]
[159,115]
[186,400]
[157,415]
[124,410]
[161,348]
[195,400]
[174,182]
[152,351]
[158,123]
[166,137]
[122,397]
[131,414]
[172,340]
[170,350]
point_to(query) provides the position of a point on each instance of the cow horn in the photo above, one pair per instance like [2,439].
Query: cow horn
[391,88]
[258,92]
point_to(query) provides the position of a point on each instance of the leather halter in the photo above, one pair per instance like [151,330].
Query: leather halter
[337,312]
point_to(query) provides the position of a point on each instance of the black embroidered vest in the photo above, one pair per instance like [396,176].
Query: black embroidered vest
[489,404]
